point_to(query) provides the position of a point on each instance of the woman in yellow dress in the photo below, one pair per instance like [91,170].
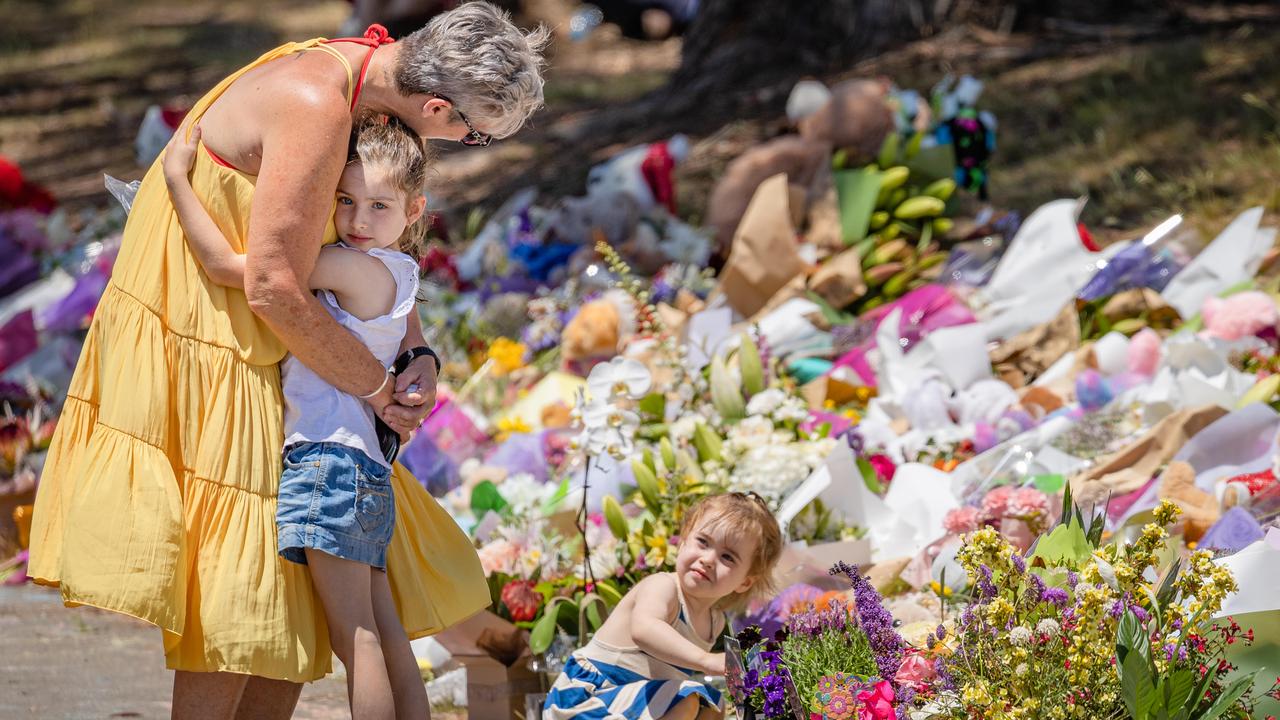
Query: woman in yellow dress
[158,496]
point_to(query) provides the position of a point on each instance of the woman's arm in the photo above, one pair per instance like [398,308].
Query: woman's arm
[293,198]
[651,631]
[222,264]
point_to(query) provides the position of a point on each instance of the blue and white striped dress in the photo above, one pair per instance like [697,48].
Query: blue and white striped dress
[605,682]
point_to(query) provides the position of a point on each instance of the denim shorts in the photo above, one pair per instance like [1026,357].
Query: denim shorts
[335,499]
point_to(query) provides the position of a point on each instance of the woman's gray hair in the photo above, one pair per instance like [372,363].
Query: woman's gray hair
[477,58]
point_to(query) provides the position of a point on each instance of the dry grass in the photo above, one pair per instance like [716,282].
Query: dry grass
[1172,124]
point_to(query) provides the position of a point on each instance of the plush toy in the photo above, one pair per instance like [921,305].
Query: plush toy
[1239,315]
[614,212]
[598,328]
[1143,353]
[801,160]
[857,118]
[1200,509]
[1239,491]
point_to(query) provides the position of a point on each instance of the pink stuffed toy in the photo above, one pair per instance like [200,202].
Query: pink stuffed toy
[1144,352]
[1239,315]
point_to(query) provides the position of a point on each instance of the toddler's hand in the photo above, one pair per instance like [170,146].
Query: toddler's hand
[180,153]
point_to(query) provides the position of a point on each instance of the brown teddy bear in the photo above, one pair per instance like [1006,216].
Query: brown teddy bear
[1200,509]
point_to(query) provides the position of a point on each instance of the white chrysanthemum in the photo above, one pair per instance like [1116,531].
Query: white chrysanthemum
[1048,626]
[766,402]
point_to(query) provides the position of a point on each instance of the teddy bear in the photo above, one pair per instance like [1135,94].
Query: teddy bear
[1200,509]
[598,328]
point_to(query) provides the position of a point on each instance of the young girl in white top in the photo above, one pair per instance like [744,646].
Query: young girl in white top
[336,510]
[646,660]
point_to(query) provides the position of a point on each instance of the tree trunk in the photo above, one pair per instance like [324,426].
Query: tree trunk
[746,43]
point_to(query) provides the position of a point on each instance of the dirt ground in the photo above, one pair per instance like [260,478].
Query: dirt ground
[87,664]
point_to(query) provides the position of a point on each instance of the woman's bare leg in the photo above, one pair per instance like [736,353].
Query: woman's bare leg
[402,666]
[266,699]
[206,695]
[344,589]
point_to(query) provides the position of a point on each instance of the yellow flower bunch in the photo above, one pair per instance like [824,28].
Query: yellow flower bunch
[507,355]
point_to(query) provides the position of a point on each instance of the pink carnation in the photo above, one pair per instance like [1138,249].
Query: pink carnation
[996,503]
[1027,502]
[915,672]
[877,703]
[962,520]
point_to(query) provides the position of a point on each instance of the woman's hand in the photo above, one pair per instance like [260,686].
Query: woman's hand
[180,154]
[406,403]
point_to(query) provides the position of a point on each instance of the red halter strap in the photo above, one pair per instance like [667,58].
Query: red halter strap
[374,37]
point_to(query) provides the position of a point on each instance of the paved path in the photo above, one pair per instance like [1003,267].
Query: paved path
[87,664]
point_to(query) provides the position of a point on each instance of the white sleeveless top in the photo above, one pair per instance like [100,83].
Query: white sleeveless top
[314,410]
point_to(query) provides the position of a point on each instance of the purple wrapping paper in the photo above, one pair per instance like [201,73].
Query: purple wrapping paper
[18,339]
[1136,266]
[435,470]
[73,311]
[521,453]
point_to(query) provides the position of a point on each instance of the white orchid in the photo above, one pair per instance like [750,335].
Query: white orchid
[619,378]
[606,428]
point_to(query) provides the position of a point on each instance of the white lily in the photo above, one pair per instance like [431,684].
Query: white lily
[620,377]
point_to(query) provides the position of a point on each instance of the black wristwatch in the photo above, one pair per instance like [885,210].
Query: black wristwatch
[414,353]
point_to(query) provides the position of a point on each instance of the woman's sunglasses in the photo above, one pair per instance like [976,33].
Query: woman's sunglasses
[473,138]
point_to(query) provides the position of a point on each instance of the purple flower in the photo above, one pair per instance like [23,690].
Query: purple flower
[874,620]
[856,443]
[1054,596]
[1072,579]
[1019,563]
[941,632]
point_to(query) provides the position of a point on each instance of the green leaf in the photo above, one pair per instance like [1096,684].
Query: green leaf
[485,497]
[562,492]
[653,407]
[708,443]
[1177,688]
[1228,698]
[749,364]
[609,592]
[614,517]
[1131,636]
[1068,509]
[1066,545]
[1167,589]
[544,630]
[1136,687]
[726,395]
[593,616]
[647,483]
[856,192]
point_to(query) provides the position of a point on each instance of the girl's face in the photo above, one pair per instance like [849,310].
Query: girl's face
[372,212]
[711,566]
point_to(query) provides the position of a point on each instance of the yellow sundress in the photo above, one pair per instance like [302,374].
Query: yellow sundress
[158,496]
